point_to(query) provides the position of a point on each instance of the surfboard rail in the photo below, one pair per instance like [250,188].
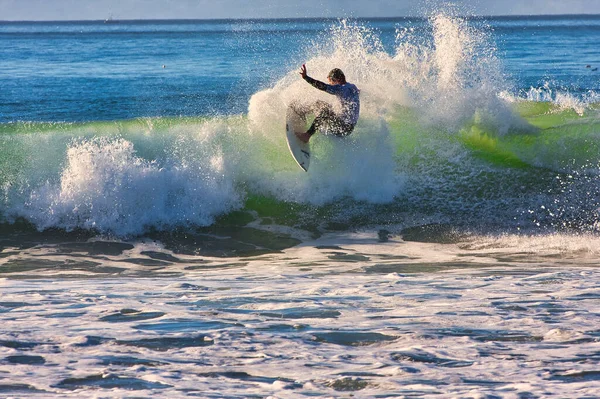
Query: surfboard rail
[296,123]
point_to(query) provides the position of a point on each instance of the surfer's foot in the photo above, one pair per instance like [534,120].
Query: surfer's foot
[303,137]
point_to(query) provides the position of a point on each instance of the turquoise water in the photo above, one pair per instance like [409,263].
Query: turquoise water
[158,239]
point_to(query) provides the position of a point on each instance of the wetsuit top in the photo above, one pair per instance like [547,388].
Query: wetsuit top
[348,95]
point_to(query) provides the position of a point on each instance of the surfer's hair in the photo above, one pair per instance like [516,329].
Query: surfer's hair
[337,75]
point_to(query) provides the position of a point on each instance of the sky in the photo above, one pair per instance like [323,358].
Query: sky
[33,10]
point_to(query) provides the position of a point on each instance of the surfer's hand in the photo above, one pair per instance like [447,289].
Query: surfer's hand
[303,71]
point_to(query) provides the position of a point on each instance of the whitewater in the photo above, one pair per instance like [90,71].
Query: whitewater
[159,240]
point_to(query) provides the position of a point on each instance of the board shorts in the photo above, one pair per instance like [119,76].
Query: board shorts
[336,127]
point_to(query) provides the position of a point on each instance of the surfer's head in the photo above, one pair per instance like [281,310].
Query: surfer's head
[337,76]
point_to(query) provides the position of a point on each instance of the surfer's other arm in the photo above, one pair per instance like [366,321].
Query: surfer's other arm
[313,82]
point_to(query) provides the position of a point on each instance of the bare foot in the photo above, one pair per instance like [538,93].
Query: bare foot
[303,137]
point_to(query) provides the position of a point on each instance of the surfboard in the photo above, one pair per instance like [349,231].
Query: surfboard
[296,122]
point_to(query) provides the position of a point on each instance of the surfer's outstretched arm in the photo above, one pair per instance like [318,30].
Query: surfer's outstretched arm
[313,82]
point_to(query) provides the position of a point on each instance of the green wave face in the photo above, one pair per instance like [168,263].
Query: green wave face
[553,138]
[127,177]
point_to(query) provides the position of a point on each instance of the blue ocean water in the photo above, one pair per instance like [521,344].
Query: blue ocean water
[86,71]
[157,239]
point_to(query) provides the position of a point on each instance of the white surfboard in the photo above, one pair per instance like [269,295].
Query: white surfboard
[296,122]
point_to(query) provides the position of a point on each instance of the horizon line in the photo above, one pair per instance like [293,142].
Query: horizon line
[116,20]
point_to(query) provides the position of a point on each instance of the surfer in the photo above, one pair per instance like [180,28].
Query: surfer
[339,124]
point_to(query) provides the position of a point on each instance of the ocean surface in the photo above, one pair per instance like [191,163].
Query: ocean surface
[157,238]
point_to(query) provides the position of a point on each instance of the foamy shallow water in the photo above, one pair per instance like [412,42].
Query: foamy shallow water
[340,317]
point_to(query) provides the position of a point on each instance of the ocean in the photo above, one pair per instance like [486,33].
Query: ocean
[157,238]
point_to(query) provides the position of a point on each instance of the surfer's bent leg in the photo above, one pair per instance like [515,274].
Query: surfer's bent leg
[325,116]
[327,119]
